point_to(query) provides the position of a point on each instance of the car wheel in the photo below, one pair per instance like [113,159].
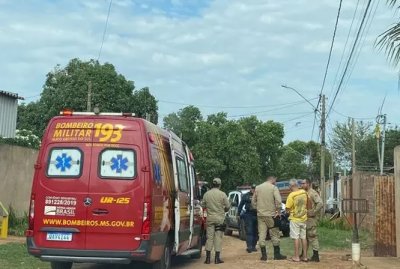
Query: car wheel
[203,237]
[227,230]
[242,231]
[61,265]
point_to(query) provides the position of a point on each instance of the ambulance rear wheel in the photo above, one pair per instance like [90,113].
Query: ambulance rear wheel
[61,265]
[165,261]
[199,248]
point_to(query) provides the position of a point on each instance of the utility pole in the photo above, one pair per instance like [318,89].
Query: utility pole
[353,146]
[322,175]
[355,185]
[355,179]
[383,142]
[89,99]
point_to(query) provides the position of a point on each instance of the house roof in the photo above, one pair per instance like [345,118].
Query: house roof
[12,95]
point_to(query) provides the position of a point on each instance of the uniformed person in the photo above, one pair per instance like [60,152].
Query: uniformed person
[312,218]
[268,203]
[217,204]
[249,215]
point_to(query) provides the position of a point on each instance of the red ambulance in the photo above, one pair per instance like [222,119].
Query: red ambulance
[112,188]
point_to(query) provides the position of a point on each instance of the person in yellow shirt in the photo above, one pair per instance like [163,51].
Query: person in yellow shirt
[296,205]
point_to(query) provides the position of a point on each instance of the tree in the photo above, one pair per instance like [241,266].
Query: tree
[145,105]
[294,161]
[31,117]
[389,41]
[239,152]
[301,159]
[392,139]
[68,88]
[267,138]
[226,149]
[184,123]
[365,144]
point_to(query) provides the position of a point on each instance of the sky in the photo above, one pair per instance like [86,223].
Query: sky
[218,55]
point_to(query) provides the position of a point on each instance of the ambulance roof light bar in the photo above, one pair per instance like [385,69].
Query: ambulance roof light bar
[70,113]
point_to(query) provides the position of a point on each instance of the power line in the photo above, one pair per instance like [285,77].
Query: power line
[297,128]
[261,112]
[220,107]
[347,116]
[105,30]
[364,33]
[350,57]
[330,51]
[278,114]
[344,49]
[313,127]
[299,117]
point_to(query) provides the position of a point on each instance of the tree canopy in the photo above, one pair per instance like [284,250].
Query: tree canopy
[239,151]
[366,145]
[68,87]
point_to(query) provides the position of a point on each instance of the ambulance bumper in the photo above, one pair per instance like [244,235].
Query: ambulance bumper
[89,256]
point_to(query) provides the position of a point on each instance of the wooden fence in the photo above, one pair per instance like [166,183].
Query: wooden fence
[385,216]
[381,219]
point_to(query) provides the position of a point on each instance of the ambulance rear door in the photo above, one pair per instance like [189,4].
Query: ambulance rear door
[117,185]
[60,193]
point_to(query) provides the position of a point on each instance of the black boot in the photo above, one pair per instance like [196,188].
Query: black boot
[263,253]
[217,258]
[315,256]
[249,241]
[208,257]
[277,254]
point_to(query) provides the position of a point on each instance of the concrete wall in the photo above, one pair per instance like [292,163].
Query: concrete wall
[16,174]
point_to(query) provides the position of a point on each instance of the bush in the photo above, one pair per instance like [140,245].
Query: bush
[16,225]
[23,138]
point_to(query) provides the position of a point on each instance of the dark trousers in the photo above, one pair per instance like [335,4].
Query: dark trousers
[250,221]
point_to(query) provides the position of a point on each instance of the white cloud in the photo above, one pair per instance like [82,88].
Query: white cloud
[229,53]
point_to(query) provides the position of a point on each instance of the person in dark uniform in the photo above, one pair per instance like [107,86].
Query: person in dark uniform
[217,204]
[250,219]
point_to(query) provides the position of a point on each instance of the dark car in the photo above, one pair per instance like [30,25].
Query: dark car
[236,223]
[232,220]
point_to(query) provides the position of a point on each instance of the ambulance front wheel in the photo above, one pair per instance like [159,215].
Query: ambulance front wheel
[61,265]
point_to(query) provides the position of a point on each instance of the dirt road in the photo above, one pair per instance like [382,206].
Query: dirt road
[236,257]
[12,239]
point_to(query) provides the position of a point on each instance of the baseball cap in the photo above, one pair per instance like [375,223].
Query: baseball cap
[253,186]
[217,181]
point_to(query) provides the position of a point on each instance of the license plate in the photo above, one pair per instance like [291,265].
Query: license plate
[59,236]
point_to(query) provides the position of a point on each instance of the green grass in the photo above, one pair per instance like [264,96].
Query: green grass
[329,240]
[15,255]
